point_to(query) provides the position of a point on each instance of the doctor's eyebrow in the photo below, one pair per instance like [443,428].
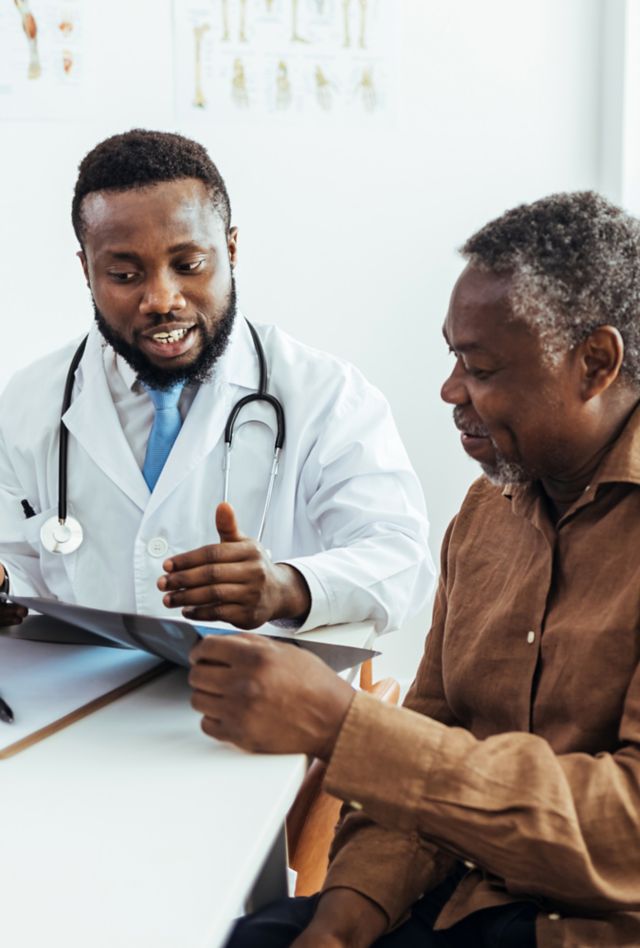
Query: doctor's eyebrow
[191,245]
[175,248]
[122,255]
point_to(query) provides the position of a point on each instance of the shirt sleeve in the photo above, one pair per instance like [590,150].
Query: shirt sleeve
[563,827]
[556,826]
[365,501]
[388,864]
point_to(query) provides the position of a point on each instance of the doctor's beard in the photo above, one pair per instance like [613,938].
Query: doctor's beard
[214,344]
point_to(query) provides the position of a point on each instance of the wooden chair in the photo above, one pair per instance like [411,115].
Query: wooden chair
[312,819]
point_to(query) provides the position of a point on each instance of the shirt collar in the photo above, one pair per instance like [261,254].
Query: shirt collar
[126,373]
[239,365]
[620,465]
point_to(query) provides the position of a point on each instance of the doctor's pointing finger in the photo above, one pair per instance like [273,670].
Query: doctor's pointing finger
[233,581]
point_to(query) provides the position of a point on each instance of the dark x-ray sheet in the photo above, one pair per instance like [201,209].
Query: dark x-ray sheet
[172,639]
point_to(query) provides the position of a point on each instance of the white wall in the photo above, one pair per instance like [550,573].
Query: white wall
[621,91]
[347,235]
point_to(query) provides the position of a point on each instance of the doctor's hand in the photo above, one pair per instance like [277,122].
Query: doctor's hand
[267,696]
[10,614]
[234,581]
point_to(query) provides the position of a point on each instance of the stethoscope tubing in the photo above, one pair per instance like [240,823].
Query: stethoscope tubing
[63,450]
[50,533]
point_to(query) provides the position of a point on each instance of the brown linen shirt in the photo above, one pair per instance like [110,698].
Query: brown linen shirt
[520,754]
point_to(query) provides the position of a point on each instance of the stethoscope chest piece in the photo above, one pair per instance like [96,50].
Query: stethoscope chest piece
[61,536]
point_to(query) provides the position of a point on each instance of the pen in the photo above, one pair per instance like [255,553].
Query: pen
[6,714]
[28,509]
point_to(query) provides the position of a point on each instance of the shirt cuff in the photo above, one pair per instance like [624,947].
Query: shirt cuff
[386,861]
[377,740]
[320,611]
[287,625]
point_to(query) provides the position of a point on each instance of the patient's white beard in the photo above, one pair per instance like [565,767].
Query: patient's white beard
[505,472]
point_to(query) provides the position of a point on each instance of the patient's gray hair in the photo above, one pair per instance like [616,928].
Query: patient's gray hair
[575,261]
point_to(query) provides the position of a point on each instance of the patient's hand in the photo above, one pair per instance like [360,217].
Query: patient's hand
[343,919]
[267,696]
[10,614]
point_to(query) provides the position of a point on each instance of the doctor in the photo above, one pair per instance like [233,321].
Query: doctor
[167,358]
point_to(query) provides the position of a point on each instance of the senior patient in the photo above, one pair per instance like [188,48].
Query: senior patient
[501,805]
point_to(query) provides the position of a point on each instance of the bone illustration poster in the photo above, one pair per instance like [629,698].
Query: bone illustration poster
[285,58]
[42,59]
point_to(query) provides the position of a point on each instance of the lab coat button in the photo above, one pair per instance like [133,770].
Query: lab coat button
[157,547]
[531,637]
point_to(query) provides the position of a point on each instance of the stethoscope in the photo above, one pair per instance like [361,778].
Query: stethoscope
[64,534]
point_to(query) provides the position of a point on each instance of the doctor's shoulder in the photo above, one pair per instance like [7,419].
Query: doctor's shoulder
[314,380]
[31,400]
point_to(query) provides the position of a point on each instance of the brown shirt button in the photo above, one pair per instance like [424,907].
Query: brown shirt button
[531,637]
[553,917]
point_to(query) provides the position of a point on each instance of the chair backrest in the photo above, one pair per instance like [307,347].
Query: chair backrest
[312,819]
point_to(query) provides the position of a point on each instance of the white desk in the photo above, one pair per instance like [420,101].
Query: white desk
[131,828]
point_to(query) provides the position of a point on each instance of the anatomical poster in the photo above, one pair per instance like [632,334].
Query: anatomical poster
[42,59]
[285,58]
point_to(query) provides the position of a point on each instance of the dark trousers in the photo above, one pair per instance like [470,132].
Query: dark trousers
[511,926]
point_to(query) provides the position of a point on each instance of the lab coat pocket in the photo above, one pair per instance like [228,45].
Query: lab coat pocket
[57,569]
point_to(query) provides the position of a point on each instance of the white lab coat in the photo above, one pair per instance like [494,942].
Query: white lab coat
[347,508]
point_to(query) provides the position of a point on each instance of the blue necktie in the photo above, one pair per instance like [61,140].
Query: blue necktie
[166,426]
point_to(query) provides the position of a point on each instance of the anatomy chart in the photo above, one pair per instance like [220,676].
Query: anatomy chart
[42,62]
[285,57]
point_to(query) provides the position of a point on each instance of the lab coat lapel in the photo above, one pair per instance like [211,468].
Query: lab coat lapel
[235,375]
[93,421]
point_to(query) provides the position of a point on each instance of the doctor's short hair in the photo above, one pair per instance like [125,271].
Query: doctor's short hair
[139,158]
[574,259]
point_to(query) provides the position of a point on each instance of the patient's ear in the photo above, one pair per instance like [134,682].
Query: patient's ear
[601,355]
